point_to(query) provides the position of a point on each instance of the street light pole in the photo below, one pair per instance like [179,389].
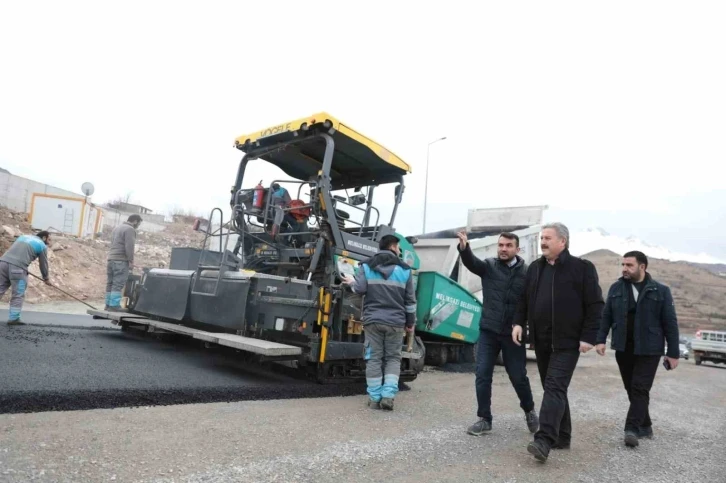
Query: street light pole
[426,187]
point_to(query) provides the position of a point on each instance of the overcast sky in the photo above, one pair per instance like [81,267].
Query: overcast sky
[612,113]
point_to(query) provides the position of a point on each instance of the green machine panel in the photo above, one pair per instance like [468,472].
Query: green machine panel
[445,309]
[408,253]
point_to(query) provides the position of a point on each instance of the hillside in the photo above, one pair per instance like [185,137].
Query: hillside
[699,294]
[717,268]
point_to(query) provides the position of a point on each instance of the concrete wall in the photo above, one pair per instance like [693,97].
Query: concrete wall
[152,223]
[17,193]
[149,217]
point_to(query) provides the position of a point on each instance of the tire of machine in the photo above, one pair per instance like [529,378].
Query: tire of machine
[438,355]
[418,364]
[468,353]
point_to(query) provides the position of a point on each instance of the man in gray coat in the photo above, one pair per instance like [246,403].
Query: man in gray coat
[120,261]
[389,309]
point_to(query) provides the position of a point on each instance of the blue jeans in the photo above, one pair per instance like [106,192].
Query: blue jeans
[515,362]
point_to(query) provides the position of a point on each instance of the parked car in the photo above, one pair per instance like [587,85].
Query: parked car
[684,351]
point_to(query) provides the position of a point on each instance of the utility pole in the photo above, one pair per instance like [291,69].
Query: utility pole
[426,188]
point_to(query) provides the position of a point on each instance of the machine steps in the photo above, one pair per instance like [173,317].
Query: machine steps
[248,344]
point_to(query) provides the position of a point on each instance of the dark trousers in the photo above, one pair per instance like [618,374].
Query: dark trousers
[555,371]
[515,362]
[638,373]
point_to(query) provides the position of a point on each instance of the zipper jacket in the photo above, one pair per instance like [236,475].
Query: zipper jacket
[577,302]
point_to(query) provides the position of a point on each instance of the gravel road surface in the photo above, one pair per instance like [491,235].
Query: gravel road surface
[65,368]
[338,439]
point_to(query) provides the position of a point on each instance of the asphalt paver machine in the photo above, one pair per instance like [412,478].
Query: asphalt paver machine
[276,291]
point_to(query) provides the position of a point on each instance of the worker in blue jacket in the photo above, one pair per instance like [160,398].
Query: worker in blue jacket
[14,269]
[389,310]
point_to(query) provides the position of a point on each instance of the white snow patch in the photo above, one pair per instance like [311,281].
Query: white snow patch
[592,239]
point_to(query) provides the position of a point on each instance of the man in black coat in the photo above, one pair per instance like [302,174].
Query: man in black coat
[642,316]
[502,282]
[562,308]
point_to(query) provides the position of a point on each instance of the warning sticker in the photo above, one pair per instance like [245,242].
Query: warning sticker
[465,319]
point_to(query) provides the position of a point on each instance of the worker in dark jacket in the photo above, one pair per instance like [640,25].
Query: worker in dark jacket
[14,269]
[389,308]
[502,282]
[642,316]
[120,261]
[561,308]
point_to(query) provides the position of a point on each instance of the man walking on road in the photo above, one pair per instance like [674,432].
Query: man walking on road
[389,308]
[120,261]
[562,307]
[502,281]
[642,316]
[14,269]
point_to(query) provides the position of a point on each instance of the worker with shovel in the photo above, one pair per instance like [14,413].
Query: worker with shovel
[14,269]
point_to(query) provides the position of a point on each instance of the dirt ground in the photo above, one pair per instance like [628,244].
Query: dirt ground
[78,266]
[423,439]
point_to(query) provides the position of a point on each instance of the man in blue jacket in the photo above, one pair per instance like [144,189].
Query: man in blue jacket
[14,269]
[389,308]
[642,316]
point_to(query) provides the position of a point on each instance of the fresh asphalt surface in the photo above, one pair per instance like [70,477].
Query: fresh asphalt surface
[70,362]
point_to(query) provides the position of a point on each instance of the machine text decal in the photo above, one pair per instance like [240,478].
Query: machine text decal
[457,302]
[275,130]
[361,246]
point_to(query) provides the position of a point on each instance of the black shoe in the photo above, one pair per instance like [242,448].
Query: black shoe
[538,450]
[15,322]
[374,404]
[387,403]
[631,439]
[646,432]
[561,445]
[480,427]
[532,421]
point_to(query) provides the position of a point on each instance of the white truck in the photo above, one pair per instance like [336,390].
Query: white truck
[709,345]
